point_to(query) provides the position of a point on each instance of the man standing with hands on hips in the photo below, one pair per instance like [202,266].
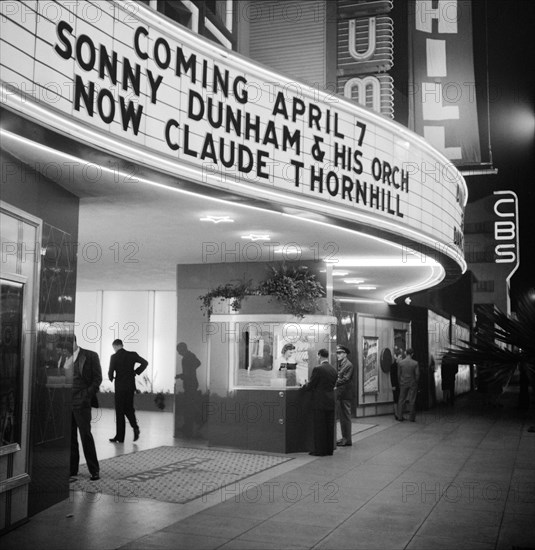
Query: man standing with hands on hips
[122,369]
[344,395]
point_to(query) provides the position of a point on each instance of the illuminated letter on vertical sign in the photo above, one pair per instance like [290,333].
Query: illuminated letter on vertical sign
[505,230]
[446,16]
[371,40]
[362,85]
[442,99]
[506,249]
[365,49]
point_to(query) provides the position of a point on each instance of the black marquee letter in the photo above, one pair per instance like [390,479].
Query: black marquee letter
[171,123]
[67,52]
[144,32]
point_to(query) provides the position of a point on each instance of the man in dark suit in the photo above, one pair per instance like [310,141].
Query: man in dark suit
[448,372]
[86,380]
[394,382]
[322,383]
[122,369]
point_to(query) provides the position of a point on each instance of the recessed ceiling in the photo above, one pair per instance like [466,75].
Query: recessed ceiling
[143,229]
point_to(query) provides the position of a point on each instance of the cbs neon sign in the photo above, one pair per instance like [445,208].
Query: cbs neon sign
[506,228]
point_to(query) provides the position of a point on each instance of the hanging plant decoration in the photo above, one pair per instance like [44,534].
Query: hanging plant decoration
[295,287]
[235,291]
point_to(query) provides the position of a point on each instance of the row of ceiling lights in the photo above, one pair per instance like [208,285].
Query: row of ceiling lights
[264,237]
[228,219]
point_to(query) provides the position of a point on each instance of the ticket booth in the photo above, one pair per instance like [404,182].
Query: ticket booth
[249,364]
[255,400]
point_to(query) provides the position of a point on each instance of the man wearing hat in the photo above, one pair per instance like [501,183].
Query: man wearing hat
[344,395]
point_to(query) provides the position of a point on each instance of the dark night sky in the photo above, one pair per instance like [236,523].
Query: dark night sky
[511,58]
[504,54]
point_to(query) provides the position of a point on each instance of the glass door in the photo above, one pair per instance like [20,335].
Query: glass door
[11,364]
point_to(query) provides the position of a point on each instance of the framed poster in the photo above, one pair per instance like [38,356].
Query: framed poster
[370,365]
[400,342]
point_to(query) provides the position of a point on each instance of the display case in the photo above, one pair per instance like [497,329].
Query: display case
[278,354]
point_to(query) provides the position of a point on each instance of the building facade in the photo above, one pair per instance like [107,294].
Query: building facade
[153,149]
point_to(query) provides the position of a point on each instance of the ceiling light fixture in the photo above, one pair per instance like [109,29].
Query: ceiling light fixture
[437,274]
[291,248]
[254,237]
[367,287]
[217,219]
[353,281]
[360,300]
[424,261]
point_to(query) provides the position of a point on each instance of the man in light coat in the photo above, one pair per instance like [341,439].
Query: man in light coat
[408,376]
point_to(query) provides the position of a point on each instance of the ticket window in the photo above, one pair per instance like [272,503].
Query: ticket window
[279,354]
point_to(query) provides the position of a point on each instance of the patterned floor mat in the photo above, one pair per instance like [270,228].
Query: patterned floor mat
[173,474]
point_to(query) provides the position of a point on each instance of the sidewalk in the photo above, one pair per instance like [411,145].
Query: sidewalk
[460,478]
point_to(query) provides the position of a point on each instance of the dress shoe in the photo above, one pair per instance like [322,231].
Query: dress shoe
[341,442]
[94,477]
[400,419]
[115,440]
[136,434]
[346,444]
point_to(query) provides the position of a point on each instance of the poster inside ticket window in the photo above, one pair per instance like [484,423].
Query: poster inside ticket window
[255,366]
[370,372]
[279,354]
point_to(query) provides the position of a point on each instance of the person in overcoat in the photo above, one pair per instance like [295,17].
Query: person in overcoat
[344,395]
[321,384]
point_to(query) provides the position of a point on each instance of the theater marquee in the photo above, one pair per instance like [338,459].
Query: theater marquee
[130,82]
